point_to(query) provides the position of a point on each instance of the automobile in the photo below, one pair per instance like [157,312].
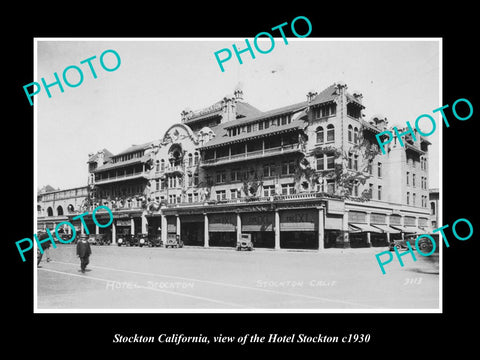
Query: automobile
[174,240]
[125,240]
[92,240]
[103,239]
[424,244]
[245,242]
[154,240]
[140,239]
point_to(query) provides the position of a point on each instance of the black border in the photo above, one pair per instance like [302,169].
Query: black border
[417,332]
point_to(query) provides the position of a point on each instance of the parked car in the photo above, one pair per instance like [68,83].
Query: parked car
[103,239]
[140,239]
[154,240]
[245,242]
[174,241]
[424,244]
[125,240]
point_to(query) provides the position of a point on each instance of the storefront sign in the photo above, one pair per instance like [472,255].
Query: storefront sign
[299,220]
[258,222]
[222,222]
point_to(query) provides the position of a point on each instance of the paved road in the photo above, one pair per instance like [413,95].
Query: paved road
[197,279]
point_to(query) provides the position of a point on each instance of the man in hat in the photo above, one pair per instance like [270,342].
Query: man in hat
[83,251]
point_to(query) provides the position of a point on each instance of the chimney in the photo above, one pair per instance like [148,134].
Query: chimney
[311,95]
[358,96]
[238,93]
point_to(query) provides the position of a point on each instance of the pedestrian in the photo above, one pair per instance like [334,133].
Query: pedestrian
[83,251]
[46,247]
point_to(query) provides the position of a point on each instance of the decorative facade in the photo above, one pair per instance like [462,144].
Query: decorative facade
[307,175]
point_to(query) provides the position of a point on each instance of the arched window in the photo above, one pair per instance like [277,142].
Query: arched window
[39,209]
[350,133]
[162,165]
[190,159]
[195,159]
[432,206]
[355,136]
[50,211]
[157,165]
[59,211]
[330,133]
[319,135]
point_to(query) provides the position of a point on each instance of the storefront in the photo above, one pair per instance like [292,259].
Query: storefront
[299,229]
[192,229]
[262,228]
[222,229]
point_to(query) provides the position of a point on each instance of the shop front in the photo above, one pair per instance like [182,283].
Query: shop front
[192,229]
[222,229]
[299,229]
[261,225]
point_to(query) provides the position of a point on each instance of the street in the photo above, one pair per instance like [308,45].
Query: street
[194,279]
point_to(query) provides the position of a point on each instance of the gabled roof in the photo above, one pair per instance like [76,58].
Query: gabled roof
[247,110]
[267,114]
[134,148]
[107,155]
[222,137]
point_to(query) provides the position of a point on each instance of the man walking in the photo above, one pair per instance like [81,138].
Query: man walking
[83,251]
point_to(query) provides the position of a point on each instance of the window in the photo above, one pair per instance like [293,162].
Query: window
[195,197]
[320,162]
[355,136]
[370,190]
[288,167]
[379,168]
[162,165]
[221,195]
[408,198]
[267,124]
[330,161]
[190,160]
[350,133]
[195,179]
[157,166]
[190,197]
[355,162]
[269,190]
[414,198]
[330,186]
[269,170]
[408,178]
[221,177]
[432,208]
[379,192]
[249,128]
[190,179]
[330,133]
[234,194]
[260,126]
[413,180]
[236,174]
[355,188]
[369,166]
[288,189]
[350,160]
[284,120]
[157,184]
[319,135]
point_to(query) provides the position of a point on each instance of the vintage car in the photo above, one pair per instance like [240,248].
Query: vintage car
[245,242]
[125,240]
[173,240]
[140,240]
[424,244]
[154,240]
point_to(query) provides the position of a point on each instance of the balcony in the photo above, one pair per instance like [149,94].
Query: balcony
[122,177]
[275,151]
[174,169]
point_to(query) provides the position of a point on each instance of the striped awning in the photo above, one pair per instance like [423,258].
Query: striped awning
[358,228]
[387,229]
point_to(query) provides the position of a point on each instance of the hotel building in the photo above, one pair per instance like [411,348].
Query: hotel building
[308,175]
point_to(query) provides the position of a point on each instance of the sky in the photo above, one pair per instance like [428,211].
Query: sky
[158,78]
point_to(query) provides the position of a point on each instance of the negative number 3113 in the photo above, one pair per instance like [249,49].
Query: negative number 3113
[413,281]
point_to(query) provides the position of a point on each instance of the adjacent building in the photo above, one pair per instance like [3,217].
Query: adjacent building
[306,175]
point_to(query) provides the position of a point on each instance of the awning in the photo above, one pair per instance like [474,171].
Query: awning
[357,228]
[387,229]
[409,229]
